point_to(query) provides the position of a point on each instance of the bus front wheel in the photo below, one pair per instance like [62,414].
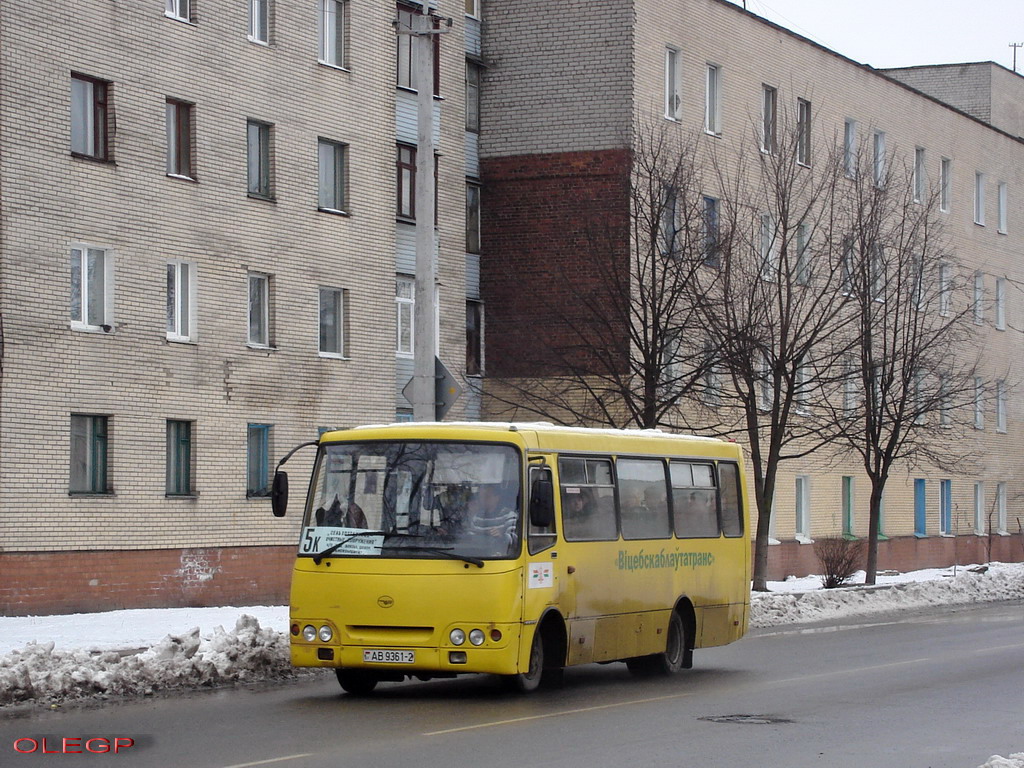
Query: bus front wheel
[358,682]
[530,679]
[669,662]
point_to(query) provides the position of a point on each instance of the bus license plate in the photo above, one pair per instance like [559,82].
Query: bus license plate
[380,656]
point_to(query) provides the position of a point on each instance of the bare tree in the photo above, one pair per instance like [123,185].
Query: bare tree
[777,309]
[625,350]
[911,379]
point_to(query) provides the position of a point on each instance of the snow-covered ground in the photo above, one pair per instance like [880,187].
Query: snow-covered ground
[47,659]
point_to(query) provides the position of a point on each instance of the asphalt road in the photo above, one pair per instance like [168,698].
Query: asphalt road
[929,689]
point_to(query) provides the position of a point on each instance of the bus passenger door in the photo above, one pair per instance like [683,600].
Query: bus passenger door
[547,583]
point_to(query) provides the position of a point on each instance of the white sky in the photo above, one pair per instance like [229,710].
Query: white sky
[901,33]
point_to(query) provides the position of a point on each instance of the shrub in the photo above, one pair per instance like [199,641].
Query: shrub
[839,558]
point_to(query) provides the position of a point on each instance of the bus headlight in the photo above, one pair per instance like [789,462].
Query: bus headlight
[476,637]
[309,633]
[457,636]
[325,634]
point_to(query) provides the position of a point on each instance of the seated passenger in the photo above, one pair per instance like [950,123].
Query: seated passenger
[489,515]
[341,515]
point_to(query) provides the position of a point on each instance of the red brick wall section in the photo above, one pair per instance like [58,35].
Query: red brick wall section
[550,222]
[80,582]
[904,553]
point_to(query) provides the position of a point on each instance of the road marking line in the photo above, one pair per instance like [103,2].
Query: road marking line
[998,648]
[562,713]
[835,672]
[271,760]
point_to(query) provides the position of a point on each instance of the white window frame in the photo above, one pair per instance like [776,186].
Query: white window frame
[260,283]
[769,248]
[802,396]
[945,183]
[851,388]
[1000,304]
[766,384]
[802,509]
[90,115]
[850,147]
[713,100]
[979,508]
[1001,199]
[1001,406]
[769,118]
[473,9]
[332,161]
[804,115]
[979,198]
[945,290]
[337,297]
[86,294]
[180,153]
[1001,509]
[405,314]
[978,303]
[180,10]
[673,84]
[332,49]
[945,406]
[879,159]
[979,403]
[920,176]
[259,21]
[259,159]
[181,304]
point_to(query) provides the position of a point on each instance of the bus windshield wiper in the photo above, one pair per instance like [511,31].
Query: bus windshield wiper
[319,556]
[445,552]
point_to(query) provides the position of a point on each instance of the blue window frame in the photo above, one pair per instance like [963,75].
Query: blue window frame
[920,528]
[258,461]
[945,507]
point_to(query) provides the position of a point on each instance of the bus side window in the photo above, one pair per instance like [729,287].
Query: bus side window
[643,501]
[732,509]
[540,537]
[588,499]
[694,506]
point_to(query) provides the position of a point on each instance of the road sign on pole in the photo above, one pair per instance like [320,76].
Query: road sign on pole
[446,390]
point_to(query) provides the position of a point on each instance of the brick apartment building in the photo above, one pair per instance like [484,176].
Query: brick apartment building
[206,252]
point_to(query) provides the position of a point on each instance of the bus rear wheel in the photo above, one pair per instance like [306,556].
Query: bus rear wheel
[358,682]
[669,662]
[529,680]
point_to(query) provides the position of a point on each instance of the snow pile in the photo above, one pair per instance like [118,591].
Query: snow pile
[1016,760]
[247,653]
[996,582]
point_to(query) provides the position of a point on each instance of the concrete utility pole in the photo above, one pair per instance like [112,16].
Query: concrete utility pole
[1015,46]
[424,381]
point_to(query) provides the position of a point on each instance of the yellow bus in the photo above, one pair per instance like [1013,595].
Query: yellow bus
[434,550]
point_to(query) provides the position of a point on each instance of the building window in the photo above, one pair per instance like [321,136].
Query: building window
[179,138]
[945,406]
[258,460]
[766,383]
[1001,507]
[472,218]
[769,248]
[89,125]
[673,84]
[1000,406]
[769,98]
[332,322]
[847,504]
[878,161]
[259,310]
[978,305]
[713,101]
[803,256]
[331,161]
[474,338]
[803,132]
[711,246]
[179,9]
[89,454]
[979,403]
[920,507]
[668,221]
[406,77]
[851,383]
[803,508]
[803,387]
[259,158]
[406,181]
[846,267]
[1001,199]
[850,148]
[945,507]
[945,181]
[259,21]
[333,28]
[473,97]
[473,8]
[179,458]
[405,302]
[181,301]
[945,290]
[92,272]
[979,508]
[920,176]
[979,198]
[1000,304]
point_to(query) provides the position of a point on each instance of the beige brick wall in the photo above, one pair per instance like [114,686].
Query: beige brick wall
[133,374]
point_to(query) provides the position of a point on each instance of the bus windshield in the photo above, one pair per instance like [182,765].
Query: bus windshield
[414,500]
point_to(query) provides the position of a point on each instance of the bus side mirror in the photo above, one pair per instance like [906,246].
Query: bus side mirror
[279,494]
[542,503]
